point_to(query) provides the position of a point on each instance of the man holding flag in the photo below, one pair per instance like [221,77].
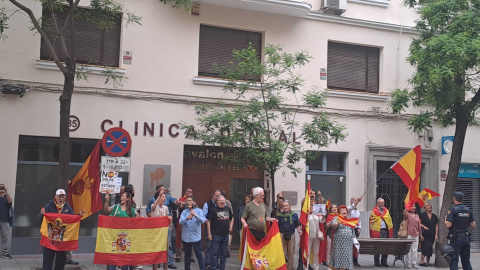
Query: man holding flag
[381,226]
[59,231]
[255,215]
[304,247]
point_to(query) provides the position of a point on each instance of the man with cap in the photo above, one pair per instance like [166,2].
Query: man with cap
[60,206]
[459,218]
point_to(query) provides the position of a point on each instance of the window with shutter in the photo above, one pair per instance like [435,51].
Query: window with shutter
[353,67]
[217,44]
[91,46]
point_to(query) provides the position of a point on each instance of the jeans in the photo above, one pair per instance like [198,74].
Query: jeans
[197,248]
[5,230]
[50,254]
[461,245]
[219,243]
[208,246]
[383,234]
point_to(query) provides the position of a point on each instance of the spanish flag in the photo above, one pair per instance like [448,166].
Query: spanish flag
[425,195]
[408,168]
[131,241]
[60,231]
[350,222]
[83,190]
[266,254]
[305,227]
[376,222]
[328,204]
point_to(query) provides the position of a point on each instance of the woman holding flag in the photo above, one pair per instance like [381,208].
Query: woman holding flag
[342,252]
[333,210]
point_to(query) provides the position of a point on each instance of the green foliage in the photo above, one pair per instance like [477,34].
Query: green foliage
[263,124]
[446,56]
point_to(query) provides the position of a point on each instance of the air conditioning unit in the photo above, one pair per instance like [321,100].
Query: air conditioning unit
[334,6]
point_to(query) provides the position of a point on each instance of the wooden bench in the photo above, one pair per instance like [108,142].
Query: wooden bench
[391,246]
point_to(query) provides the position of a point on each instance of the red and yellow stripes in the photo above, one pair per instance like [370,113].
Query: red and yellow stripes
[350,222]
[408,168]
[60,231]
[131,241]
[305,226]
[265,254]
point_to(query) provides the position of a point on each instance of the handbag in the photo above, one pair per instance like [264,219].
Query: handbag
[320,235]
[287,235]
[402,232]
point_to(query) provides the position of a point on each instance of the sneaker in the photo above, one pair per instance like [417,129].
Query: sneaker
[171,266]
[71,262]
[7,256]
[192,260]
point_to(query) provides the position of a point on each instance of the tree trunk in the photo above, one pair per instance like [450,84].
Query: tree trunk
[273,195]
[453,168]
[65,103]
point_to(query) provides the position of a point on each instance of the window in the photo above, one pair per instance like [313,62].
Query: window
[92,45]
[217,44]
[353,67]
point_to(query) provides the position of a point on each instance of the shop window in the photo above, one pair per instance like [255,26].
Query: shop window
[217,44]
[37,180]
[92,45]
[353,67]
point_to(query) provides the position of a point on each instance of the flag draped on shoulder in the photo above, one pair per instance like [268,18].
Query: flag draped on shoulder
[83,190]
[350,222]
[131,241]
[408,168]
[266,254]
[425,195]
[305,228]
[376,222]
[60,231]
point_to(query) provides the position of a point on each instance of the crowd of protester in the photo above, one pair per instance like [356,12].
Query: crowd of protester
[331,242]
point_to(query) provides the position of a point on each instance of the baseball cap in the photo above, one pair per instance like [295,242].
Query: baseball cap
[60,192]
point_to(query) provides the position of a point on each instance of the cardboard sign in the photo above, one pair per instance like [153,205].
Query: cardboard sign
[319,209]
[109,182]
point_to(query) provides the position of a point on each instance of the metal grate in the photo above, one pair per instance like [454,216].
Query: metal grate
[471,190]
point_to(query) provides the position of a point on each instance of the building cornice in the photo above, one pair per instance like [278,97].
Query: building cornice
[319,16]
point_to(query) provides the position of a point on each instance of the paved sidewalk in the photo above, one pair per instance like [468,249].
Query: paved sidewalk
[32,262]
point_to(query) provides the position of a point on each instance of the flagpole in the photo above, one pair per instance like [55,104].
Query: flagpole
[377,180]
[244,250]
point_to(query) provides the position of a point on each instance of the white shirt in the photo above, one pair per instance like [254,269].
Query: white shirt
[353,212]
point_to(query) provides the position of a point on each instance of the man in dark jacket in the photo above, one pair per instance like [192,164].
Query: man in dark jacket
[59,206]
[287,223]
[5,219]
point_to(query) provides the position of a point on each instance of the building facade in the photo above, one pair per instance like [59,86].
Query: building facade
[359,49]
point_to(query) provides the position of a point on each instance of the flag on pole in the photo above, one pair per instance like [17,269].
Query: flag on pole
[131,241]
[60,231]
[83,190]
[305,228]
[265,254]
[408,168]
[425,195]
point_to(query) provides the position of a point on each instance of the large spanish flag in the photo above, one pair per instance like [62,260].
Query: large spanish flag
[425,195]
[266,254]
[60,231]
[305,227]
[131,241]
[408,168]
[83,190]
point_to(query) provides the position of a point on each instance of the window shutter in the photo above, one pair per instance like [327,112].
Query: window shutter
[352,67]
[92,45]
[216,46]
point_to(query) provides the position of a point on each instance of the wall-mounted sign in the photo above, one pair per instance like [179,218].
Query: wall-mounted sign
[154,175]
[323,74]
[447,143]
[73,123]
[443,175]
[115,164]
[127,57]
[469,171]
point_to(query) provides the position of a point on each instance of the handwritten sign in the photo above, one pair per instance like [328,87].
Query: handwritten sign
[319,209]
[109,182]
[115,164]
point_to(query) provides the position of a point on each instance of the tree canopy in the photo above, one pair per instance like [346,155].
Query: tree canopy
[263,123]
[445,86]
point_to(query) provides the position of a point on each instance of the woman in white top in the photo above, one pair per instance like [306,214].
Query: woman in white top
[160,210]
[315,235]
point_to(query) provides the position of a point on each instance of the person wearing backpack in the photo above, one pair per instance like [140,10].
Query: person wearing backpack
[287,223]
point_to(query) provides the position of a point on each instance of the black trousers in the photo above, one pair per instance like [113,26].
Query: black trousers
[383,234]
[259,235]
[49,255]
[461,244]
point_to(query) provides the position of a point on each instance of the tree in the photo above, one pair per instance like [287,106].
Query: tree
[52,30]
[261,124]
[446,56]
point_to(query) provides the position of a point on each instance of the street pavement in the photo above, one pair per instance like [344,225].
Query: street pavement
[33,262]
